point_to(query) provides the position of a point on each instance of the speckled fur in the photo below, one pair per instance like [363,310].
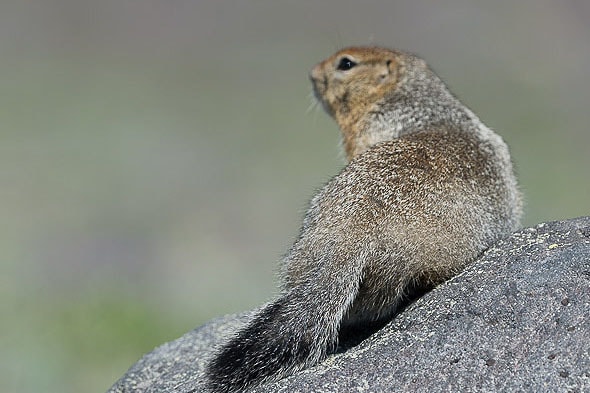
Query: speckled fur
[427,189]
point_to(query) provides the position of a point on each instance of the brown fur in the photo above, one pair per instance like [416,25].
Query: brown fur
[427,189]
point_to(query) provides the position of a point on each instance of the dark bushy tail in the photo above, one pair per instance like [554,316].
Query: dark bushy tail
[294,332]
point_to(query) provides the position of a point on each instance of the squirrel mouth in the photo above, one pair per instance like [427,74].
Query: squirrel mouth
[320,86]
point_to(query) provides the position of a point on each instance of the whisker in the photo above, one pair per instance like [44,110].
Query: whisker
[313,103]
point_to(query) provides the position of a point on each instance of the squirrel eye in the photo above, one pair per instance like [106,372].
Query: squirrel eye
[345,64]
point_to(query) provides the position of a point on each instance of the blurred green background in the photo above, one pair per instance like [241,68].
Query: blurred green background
[156,156]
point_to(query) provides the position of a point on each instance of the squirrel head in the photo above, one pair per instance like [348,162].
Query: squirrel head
[354,85]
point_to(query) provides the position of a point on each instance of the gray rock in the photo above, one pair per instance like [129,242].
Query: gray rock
[518,319]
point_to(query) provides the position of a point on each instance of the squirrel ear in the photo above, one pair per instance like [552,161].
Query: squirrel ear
[391,66]
[389,72]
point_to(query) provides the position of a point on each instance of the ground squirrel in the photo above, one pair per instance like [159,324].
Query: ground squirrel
[428,187]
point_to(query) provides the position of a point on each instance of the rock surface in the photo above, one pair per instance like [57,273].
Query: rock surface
[518,319]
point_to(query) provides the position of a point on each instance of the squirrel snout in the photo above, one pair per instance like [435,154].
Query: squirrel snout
[319,82]
[316,75]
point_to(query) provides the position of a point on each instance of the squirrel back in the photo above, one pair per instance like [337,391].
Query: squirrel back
[428,188]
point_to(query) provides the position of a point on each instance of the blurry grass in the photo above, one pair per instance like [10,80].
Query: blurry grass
[81,343]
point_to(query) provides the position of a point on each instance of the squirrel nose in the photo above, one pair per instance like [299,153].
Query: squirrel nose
[316,73]
[318,79]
